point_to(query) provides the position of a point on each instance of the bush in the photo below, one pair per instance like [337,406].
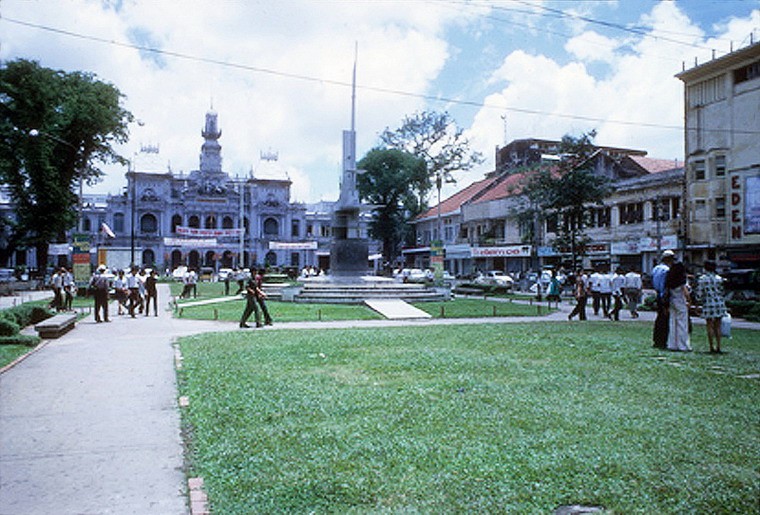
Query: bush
[8,327]
[741,308]
[24,315]
[29,340]
[754,314]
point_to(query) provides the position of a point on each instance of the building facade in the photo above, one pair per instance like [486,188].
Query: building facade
[482,229]
[722,144]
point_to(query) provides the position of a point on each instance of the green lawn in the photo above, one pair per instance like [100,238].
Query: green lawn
[9,353]
[513,418]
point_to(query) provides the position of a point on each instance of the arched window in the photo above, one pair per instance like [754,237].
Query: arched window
[86,224]
[228,223]
[176,221]
[176,258]
[194,259]
[270,259]
[118,222]
[148,257]
[227,259]
[271,227]
[194,222]
[148,223]
[210,255]
[211,222]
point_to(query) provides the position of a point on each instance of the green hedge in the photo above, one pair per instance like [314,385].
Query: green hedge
[743,308]
[30,340]
[23,315]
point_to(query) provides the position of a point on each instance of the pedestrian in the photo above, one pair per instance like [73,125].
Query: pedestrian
[605,291]
[661,322]
[57,283]
[580,292]
[595,280]
[679,301]
[121,291]
[251,292]
[186,286]
[69,288]
[134,291]
[553,292]
[99,285]
[709,293]
[192,280]
[633,292]
[261,296]
[151,293]
[618,284]
[141,290]
[227,283]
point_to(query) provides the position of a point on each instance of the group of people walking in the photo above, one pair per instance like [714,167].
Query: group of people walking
[254,296]
[609,292]
[675,299]
[134,291]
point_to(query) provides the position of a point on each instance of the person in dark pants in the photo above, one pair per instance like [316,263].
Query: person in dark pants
[261,296]
[134,291]
[662,321]
[151,293]
[99,284]
[581,296]
[227,283]
[251,292]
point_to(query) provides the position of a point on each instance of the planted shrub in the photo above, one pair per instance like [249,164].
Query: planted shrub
[30,340]
[8,327]
[23,316]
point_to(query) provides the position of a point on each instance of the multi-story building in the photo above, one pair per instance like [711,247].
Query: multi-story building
[204,218]
[481,226]
[722,143]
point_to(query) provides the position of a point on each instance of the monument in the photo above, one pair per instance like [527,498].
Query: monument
[349,250]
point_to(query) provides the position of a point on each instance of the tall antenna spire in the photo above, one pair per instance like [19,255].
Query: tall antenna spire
[353,88]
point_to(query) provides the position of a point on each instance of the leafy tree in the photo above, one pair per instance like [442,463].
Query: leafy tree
[566,191]
[435,138]
[385,184]
[55,128]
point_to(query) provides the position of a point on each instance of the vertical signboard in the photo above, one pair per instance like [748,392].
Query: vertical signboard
[436,260]
[80,257]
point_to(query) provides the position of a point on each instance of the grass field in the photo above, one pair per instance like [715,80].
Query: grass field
[513,418]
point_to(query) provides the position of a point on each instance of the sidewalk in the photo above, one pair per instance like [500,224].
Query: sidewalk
[90,423]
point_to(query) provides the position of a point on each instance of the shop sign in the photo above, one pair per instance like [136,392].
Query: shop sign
[666,242]
[510,251]
[751,205]
[207,233]
[547,252]
[296,245]
[458,252]
[190,242]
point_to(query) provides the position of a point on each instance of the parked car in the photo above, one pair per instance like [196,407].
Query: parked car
[207,274]
[224,273]
[7,275]
[179,273]
[495,278]
[414,275]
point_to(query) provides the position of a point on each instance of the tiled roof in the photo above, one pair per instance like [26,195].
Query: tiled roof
[453,203]
[653,165]
[506,186]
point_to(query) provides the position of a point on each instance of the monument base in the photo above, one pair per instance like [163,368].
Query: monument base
[349,259]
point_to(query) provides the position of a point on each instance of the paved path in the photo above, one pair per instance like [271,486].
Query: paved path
[89,424]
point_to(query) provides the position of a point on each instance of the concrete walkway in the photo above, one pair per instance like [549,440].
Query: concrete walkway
[89,424]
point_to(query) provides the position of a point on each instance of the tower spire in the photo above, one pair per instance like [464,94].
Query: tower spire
[353,88]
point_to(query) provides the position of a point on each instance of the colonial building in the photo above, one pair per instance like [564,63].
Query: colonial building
[481,228]
[722,141]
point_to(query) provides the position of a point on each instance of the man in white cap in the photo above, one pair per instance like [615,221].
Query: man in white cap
[661,323]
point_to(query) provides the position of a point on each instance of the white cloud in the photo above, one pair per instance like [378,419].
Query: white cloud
[591,46]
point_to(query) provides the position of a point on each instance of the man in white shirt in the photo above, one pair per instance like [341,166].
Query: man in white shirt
[633,291]
[605,291]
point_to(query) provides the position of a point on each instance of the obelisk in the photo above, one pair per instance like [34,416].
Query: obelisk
[349,251]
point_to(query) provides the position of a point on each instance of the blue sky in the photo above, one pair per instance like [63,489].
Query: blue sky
[277,72]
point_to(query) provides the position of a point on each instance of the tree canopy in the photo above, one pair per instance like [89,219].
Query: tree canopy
[385,184]
[435,138]
[56,128]
[567,190]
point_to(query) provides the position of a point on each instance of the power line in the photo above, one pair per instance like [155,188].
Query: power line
[390,91]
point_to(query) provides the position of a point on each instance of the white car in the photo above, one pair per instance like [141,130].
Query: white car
[414,275]
[224,273]
[495,278]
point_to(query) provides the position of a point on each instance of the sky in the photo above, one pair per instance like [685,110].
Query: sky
[278,73]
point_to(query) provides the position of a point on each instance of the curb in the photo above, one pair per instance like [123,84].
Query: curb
[21,358]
